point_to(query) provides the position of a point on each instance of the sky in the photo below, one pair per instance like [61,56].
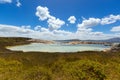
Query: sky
[60,19]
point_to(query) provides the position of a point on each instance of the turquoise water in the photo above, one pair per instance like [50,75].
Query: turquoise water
[38,47]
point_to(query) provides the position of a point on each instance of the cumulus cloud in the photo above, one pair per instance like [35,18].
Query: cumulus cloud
[97,33]
[52,31]
[18,4]
[85,27]
[72,19]
[89,23]
[55,23]
[44,14]
[85,30]
[37,28]
[20,31]
[10,30]
[116,29]
[62,32]
[41,29]
[26,27]
[87,33]
[44,29]
[39,32]
[110,19]
[44,33]
[5,1]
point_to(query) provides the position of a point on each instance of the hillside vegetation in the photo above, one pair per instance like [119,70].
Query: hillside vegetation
[18,65]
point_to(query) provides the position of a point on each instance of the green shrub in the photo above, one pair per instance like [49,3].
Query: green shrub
[78,70]
[37,73]
[9,70]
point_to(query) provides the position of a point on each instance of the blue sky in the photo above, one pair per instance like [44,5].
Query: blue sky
[60,19]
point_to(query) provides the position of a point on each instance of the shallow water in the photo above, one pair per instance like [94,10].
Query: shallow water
[38,47]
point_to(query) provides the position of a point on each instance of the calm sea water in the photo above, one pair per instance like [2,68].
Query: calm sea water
[38,47]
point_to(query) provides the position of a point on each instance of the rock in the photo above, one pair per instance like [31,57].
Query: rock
[107,50]
[115,47]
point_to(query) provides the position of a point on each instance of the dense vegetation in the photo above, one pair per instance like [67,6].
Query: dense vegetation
[5,41]
[18,65]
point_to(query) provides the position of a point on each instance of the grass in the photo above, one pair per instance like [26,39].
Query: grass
[89,65]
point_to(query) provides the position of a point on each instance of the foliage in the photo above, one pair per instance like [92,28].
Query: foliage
[38,73]
[78,70]
[9,70]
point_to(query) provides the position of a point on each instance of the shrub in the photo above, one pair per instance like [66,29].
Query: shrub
[78,70]
[37,73]
[9,70]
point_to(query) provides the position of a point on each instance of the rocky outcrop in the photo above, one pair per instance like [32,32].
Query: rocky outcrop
[115,48]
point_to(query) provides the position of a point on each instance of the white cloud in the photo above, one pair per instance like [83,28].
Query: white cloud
[72,19]
[85,27]
[41,29]
[90,35]
[52,31]
[53,22]
[44,29]
[44,33]
[87,33]
[37,28]
[10,30]
[16,31]
[5,1]
[85,30]
[62,32]
[42,13]
[116,29]
[26,27]
[89,23]
[97,33]
[110,19]
[18,4]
